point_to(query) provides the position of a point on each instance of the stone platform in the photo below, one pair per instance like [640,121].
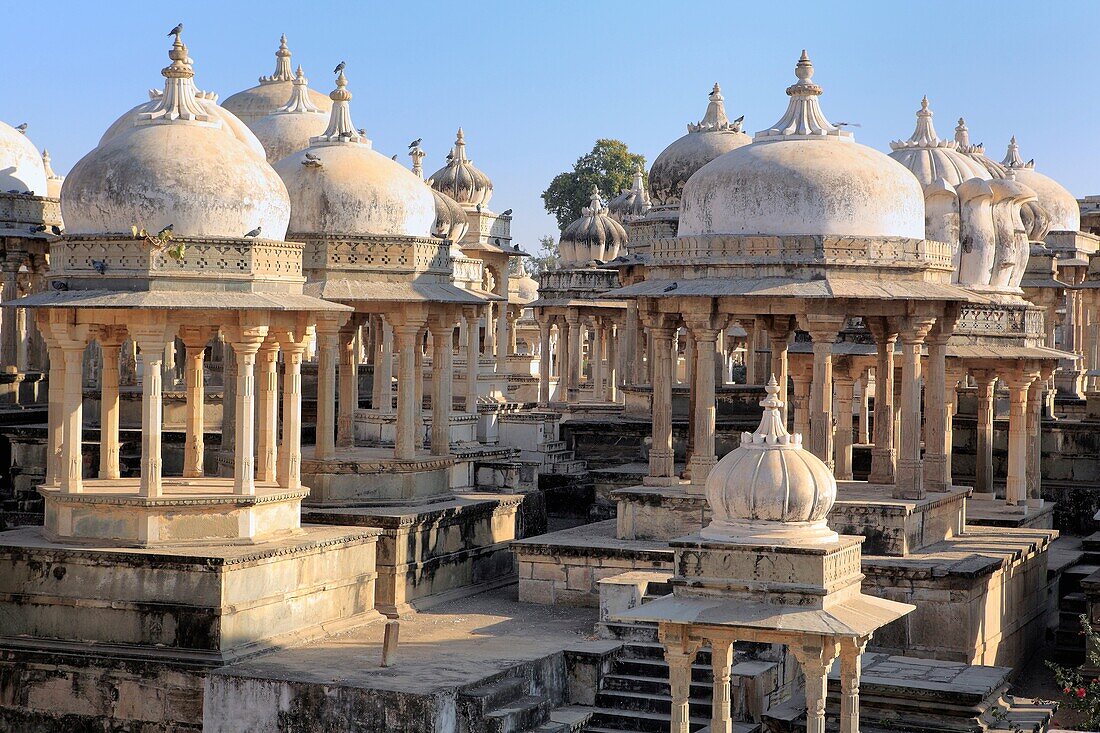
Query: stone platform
[995,513]
[359,475]
[428,551]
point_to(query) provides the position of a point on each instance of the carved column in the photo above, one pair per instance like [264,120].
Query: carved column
[293,344]
[815,662]
[661,456]
[595,359]
[328,344]
[55,397]
[573,365]
[563,359]
[801,402]
[406,337]
[348,398]
[194,446]
[823,330]
[544,361]
[910,476]
[110,341]
[149,338]
[418,387]
[845,390]
[851,656]
[246,341]
[704,334]
[442,328]
[865,407]
[472,357]
[72,430]
[936,476]
[628,349]
[1016,484]
[983,460]
[721,660]
[267,414]
[951,406]
[883,457]
[611,335]
[680,656]
[1034,443]
[382,399]
[9,332]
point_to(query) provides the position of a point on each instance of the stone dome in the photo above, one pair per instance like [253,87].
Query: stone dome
[53,181]
[272,91]
[461,179]
[290,128]
[1060,205]
[633,202]
[715,135]
[175,165]
[769,489]
[930,158]
[976,152]
[522,288]
[803,176]
[21,166]
[594,236]
[340,185]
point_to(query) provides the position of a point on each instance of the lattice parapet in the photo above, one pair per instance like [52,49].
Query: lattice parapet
[18,211]
[1022,323]
[896,255]
[138,263]
[584,281]
[469,270]
[384,255]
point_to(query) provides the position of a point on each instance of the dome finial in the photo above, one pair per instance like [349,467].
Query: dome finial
[924,136]
[299,96]
[962,136]
[715,118]
[1012,157]
[417,154]
[772,431]
[340,127]
[179,100]
[804,117]
[459,151]
[282,65]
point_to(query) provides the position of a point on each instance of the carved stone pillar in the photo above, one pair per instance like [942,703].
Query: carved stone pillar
[382,399]
[149,338]
[110,341]
[246,341]
[9,332]
[864,431]
[936,476]
[661,456]
[1034,443]
[883,457]
[823,330]
[328,344]
[815,662]
[983,460]
[801,402]
[851,656]
[611,335]
[72,430]
[267,414]
[194,446]
[472,357]
[544,361]
[845,391]
[910,475]
[348,399]
[680,656]
[406,336]
[573,365]
[595,359]
[721,660]
[55,397]
[780,329]
[704,334]
[1016,483]
[442,329]
[293,345]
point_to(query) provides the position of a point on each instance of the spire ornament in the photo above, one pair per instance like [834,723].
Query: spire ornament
[299,97]
[1012,159]
[50,175]
[804,118]
[417,154]
[340,127]
[715,119]
[283,71]
[179,101]
[924,136]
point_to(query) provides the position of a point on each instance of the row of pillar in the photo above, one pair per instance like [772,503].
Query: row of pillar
[603,357]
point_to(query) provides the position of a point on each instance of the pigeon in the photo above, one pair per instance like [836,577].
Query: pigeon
[362,131]
[165,230]
[100,266]
[13,190]
[312,161]
[22,128]
[340,67]
[496,241]
[28,193]
[394,157]
[415,143]
[479,208]
[39,228]
[177,30]
[506,212]
[59,285]
[55,230]
[254,233]
[847,124]
[739,120]
[670,288]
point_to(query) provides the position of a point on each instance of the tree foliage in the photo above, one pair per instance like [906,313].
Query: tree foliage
[545,259]
[609,165]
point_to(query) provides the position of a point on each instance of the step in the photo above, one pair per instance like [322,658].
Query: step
[621,682]
[656,669]
[551,446]
[519,715]
[607,719]
[477,702]
[647,702]
[567,719]
[1073,602]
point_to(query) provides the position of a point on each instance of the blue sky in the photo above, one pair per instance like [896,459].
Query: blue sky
[535,83]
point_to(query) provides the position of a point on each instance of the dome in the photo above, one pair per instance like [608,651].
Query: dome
[1060,205]
[20,162]
[272,92]
[53,181]
[460,179]
[451,221]
[522,288]
[136,177]
[339,185]
[930,158]
[976,152]
[633,202]
[290,128]
[594,236]
[803,176]
[715,135]
[770,489]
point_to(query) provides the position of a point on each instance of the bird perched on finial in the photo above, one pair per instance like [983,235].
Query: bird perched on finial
[415,143]
[506,212]
[55,230]
[254,233]
[340,67]
[362,131]
[312,161]
[100,266]
[177,30]
[22,128]
[670,288]
[738,121]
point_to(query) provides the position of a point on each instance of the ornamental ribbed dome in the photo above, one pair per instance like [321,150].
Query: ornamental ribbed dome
[522,288]
[21,166]
[633,202]
[291,127]
[976,152]
[713,136]
[461,179]
[451,221]
[594,236]
[769,488]
[180,163]
[272,92]
[803,176]
[1060,205]
[340,186]
[930,158]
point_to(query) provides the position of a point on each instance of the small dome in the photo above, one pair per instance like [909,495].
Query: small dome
[522,288]
[53,181]
[175,165]
[930,158]
[451,221]
[595,236]
[290,128]
[20,163]
[803,176]
[633,202]
[339,185]
[715,135]
[460,179]
[1060,205]
[272,92]
[770,489]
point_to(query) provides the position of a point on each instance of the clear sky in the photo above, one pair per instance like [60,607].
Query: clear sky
[534,84]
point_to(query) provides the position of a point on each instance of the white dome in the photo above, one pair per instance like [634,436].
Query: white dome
[522,288]
[1060,205]
[715,135]
[803,176]
[291,127]
[930,159]
[272,92]
[633,202]
[176,164]
[770,489]
[339,185]
[595,236]
[20,163]
[461,179]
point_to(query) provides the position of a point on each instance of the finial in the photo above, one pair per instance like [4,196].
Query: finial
[715,118]
[282,65]
[340,127]
[1012,157]
[804,117]
[924,136]
[417,154]
[772,431]
[962,136]
[299,96]
[50,175]
[804,69]
[178,102]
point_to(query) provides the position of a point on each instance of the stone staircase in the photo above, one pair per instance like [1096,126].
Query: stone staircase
[556,459]
[515,705]
[1081,561]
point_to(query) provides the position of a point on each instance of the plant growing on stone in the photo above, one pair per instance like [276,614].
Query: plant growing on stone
[1081,692]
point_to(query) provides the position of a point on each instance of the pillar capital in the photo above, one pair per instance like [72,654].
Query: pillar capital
[331,321]
[914,329]
[883,328]
[820,326]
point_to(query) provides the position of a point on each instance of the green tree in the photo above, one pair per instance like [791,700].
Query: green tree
[609,165]
[545,259]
